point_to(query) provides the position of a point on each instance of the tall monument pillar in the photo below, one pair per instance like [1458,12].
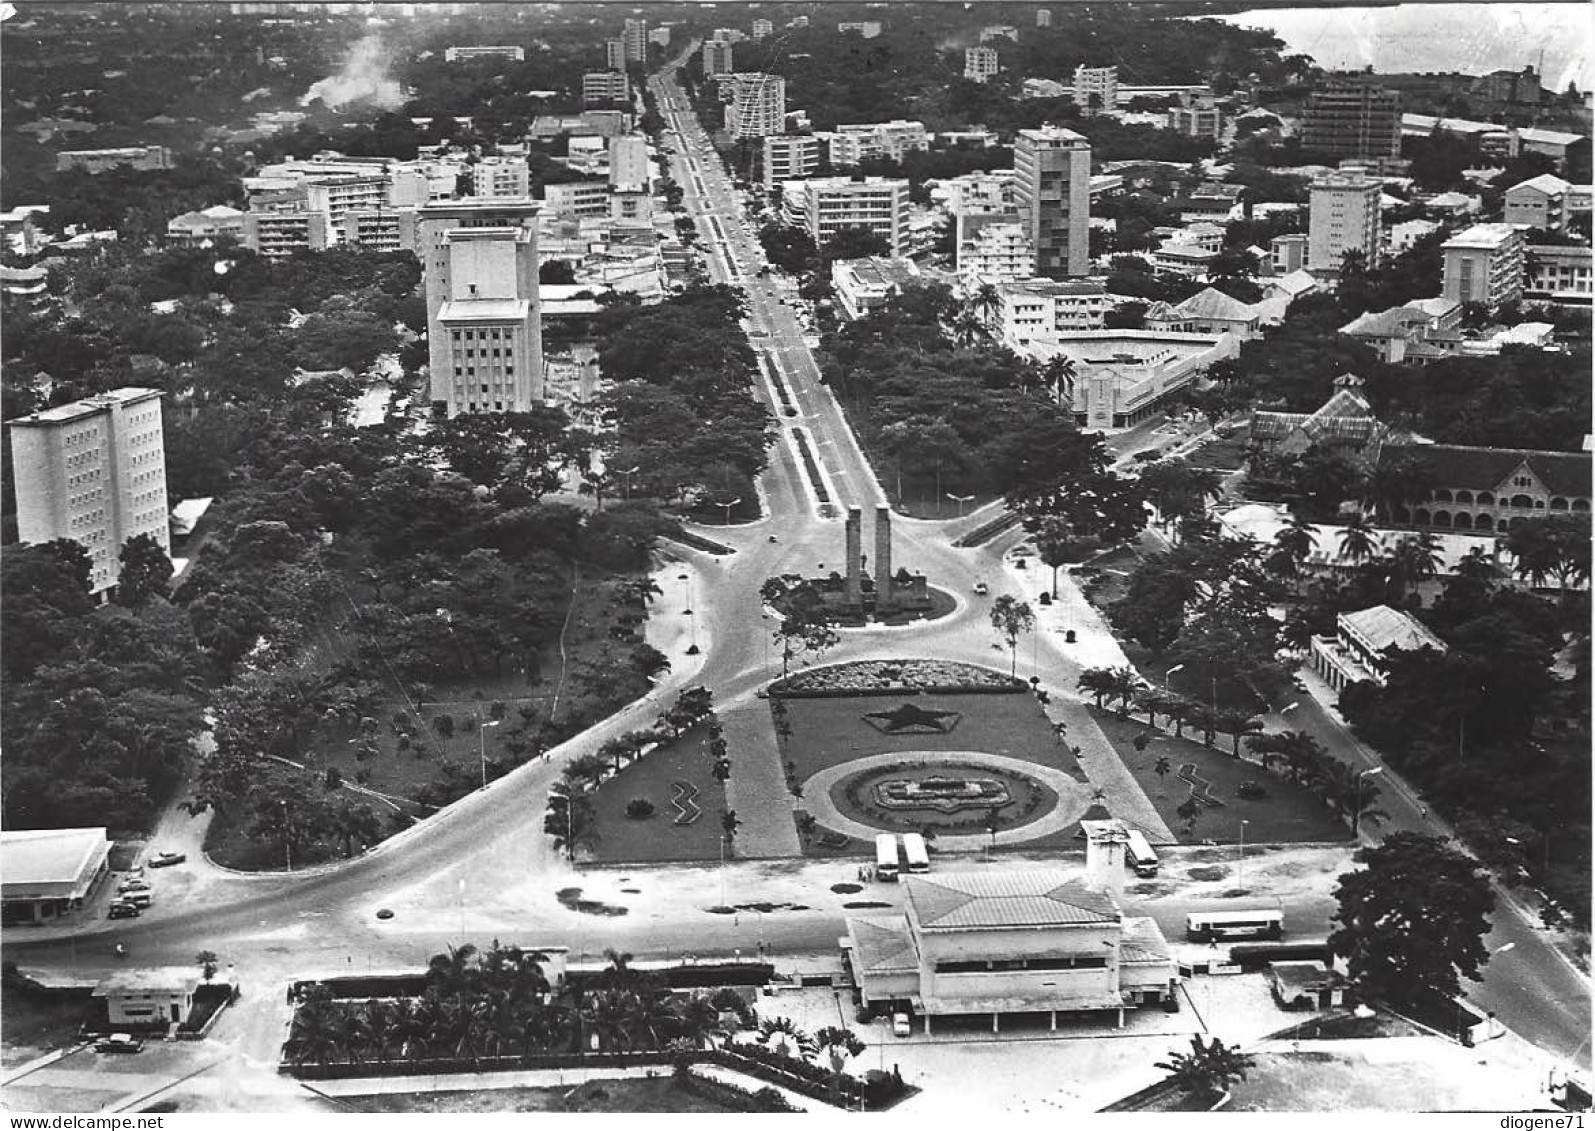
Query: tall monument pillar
[883,557]
[853,589]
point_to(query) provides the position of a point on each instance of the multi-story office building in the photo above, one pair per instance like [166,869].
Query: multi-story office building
[281,223]
[1196,117]
[503,51]
[852,144]
[605,86]
[94,161]
[1539,202]
[628,163]
[93,471]
[1560,272]
[1484,264]
[1043,17]
[1342,216]
[879,204]
[762,28]
[389,229]
[1096,88]
[501,176]
[1052,191]
[577,198]
[790,157]
[485,342]
[757,106]
[635,39]
[981,193]
[980,63]
[717,56]
[615,54]
[992,248]
[1035,312]
[436,220]
[1352,120]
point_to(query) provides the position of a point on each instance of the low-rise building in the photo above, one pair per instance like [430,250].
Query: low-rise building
[1036,314]
[1306,985]
[1211,311]
[143,158]
[1484,264]
[1356,653]
[150,997]
[514,53]
[1539,202]
[605,86]
[1197,116]
[501,176]
[1183,259]
[863,285]
[206,225]
[851,144]
[1344,424]
[1125,376]
[577,198]
[1492,489]
[1044,88]
[991,249]
[789,157]
[1559,272]
[1418,331]
[1400,237]
[1096,88]
[864,29]
[48,873]
[1288,253]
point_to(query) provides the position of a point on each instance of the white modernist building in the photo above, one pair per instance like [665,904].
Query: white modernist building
[1342,216]
[980,63]
[757,105]
[1484,264]
[879,204]
[47,873]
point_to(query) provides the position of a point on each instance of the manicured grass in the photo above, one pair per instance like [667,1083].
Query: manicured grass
[622,839]
[1288,814]
[660,1094]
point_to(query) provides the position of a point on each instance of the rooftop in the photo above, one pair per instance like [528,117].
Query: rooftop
[883,945]
[1545,182]
[1484,469]
[61,414]
[48,856]
[151,979]
[1482,236]
[1383,627]
[993,901]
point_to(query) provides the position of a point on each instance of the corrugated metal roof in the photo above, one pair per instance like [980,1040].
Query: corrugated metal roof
[1006,899]
[1383,627]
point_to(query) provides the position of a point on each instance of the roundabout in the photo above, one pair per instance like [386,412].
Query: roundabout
[925,788]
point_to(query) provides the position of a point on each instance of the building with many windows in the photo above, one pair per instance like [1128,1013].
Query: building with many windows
[762,28]
[1096,88]
[599,87]
[1197,116]
[789,157]
[717,58]
[1356,653]
[1352,120]
[486,341]
[93,471]
[1492,489]
[991,248]
[1342,216]
[863,285]
[628,163]
[514,53]
[1559,272]
[980,63]
[757,105]
[95,161]
[634,39]
[501,176]
[851,144]
[879,204]
[206,226]
[1484,264]
[1052,192]
[1539,202]
[1035,312]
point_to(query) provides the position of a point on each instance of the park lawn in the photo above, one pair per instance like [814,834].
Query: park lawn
[1288,814]
[657,1094]
[623,839]
[31,1026]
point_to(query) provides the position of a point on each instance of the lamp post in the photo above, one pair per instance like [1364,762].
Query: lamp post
[287,840]
[1356,813]
[1169,672]
[462,911]
[1240,860]
[961,500]
[728,507]
[626,485]
[481,744]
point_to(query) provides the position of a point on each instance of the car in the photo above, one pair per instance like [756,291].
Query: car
[900,1026]
[981,589]
[119,1042]
[167,859]
[121,909]
[132,885]
[139,899]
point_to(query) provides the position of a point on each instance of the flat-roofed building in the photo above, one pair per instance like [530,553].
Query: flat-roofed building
[1096,88]
[501,176]
[95,161]
[1052,176]
[577,198]
[93,471]
[1036,312]
[634,37]
[789,157]
[605,86]
[513,53]
[1484,264]
[980,63]
[762,28]
[852,144]
[1559,272]
[1342,216]
[149,997]
[283,224]
[757,105]
[48,873]
[628,163]
[1197,117]
[1352,119]
[1539,202]
[877,204]
[717,58]
[1288,253]
[1356,653]
[863,285]
[991,248]
[206,225]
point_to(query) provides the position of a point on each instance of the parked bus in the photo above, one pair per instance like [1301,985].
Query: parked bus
[1251,923]
[886,862]
[915,857]
[1139,855]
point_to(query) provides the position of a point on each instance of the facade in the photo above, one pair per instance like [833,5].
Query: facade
[150,998]
[1400,237]
[634,38]
[95,161]
[981,193]
[48,873]
[1124,376]
[1211,311]
[1035,313]
[1197,118]
[999,31]
[628,163]
[206,226]
[1342,216]
[789,157]
[93,471]
[1043,17]
[762,28]
[980,63]
[615,54]
[1008,942]
[1352,120]
[384,230]
[605,86]
[1539,202]
[1288,253]
[501,176]
[486,344]
[1052,177]
[513,53]
[1494,489]
[1344,424]
[1096,88]
[1560,272]
[1180,258]
[848,145]
[577,198]
[757,106]
[992,248]
[863,285]
[1419,331]
[1355,654]
[865,29]
[280,230]
[879,204]
[717,58]
[1484,264]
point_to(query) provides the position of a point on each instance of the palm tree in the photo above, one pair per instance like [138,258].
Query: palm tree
[1099,682]
[207,964]
[986,302]
[1061,374]
[729,824]
[379,1027]
[1236,724]
[637,590]
[1208,1069]
[315,1031]
[1161,768]
[1358,539]
[967,329]
[1414,559]
[1125,684]
[452,973]
[697,1020]
[783,1036]
[839,1046]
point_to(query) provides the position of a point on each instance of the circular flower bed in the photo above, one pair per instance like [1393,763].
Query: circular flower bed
[896,677]
[1017,798]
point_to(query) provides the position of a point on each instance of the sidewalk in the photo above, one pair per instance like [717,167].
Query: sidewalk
[757,789]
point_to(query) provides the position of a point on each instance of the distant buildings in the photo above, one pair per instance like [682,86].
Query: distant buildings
[1539,202]
[143,158]
[1096,88]
[206,225]
[757,106]
[1352,120]
[501,176]
[980,63]
[615,54]
[999,31]
[1197,116]
[1043,88]
[865,29]
[762,28]
[1035,313]
[1342,216]
[1043,17]
[991,248]
[628,163]
[863,285]
[717,58]
[634,40]
[571,199]
[878,204]
[605,86]
[789,157]
[1484,264]
[1052,177]
[93,471]
[1559,272]
[330,199]
[513,53]
[851,144]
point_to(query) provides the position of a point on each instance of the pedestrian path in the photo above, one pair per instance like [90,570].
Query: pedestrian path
[757,789]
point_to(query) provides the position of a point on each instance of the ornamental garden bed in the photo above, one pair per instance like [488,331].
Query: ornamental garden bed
[655,779]
[896,677]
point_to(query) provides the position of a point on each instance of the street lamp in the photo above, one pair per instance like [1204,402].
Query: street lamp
[626,486]
[960,500]
[1240,861]
[1356,815]
[728,507]
[481,744]
[1169,672]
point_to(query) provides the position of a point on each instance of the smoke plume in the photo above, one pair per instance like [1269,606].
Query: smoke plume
[364,79]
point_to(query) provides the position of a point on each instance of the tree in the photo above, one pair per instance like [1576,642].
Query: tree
[1209,1069]
[729,824]
[1412,919]
[146,572]
[1012,619]
[1358,539]
[1098,682]
[207,962]
[839,1045]
[1556,545]
[805,622]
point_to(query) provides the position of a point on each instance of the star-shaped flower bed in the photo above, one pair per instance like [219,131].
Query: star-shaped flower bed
[911,718]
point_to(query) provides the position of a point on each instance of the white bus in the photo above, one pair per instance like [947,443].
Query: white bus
[1251,923]
[886,862]
[915,856]
[1138,854]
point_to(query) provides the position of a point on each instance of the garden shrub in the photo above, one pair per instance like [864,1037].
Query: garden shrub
[639,808]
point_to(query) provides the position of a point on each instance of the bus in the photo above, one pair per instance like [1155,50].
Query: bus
[915,857]
[886,862]
[1138,854]
[1251,923]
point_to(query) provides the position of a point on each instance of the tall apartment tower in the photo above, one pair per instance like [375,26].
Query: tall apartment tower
[717,58]
[1352,120]
[757,106]
[1484,264]
[93,471]
[484,320]
[628,163]
[635,40]
[615,54]
[1043,17]
[1052,188]
[980,63]
[790,157]
[1096,88]
[1342,216]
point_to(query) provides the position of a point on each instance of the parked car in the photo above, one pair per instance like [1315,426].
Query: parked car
[119,1042]
[900,1027]
[132,885]
[121,909]
[139,899]
[981,589]
[167,859]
